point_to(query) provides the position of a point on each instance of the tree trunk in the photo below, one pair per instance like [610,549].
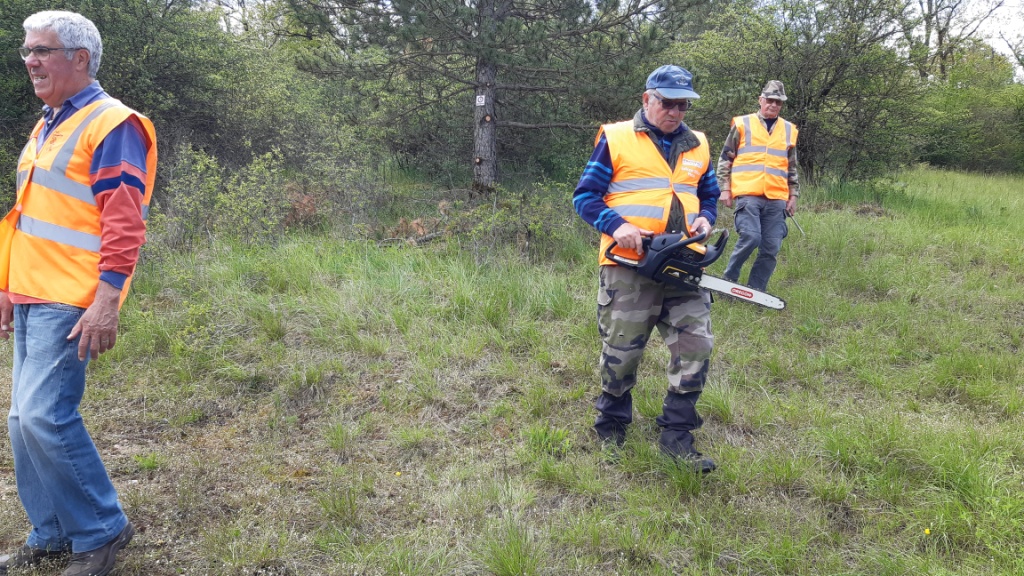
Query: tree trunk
[485,160]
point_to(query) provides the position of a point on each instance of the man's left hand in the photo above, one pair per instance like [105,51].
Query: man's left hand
[791,206]
[700,226]
[98,325]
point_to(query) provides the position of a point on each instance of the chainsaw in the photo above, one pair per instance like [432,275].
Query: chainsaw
[680,260]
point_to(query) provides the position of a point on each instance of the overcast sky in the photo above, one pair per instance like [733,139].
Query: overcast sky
[1009,21]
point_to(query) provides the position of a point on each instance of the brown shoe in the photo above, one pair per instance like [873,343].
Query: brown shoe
[27,556]
[99,562]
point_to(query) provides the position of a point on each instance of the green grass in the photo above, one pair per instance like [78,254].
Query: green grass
[331,406]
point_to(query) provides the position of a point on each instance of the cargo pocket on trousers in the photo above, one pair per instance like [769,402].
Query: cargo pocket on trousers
[604,300]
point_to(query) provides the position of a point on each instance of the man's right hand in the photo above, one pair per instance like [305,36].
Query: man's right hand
[631,237]
[726,198]
[6,316]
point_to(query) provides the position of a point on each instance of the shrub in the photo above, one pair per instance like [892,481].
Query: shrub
[253,205]
[183,213]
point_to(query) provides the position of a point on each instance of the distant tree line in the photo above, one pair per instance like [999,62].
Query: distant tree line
[317,100]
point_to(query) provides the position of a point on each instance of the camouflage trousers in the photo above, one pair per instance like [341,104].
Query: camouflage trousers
[629,306]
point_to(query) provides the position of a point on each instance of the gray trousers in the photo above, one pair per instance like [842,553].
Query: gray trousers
[761,224]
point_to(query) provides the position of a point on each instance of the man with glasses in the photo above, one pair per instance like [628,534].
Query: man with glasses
[649,175]
[757,173]
[67,253]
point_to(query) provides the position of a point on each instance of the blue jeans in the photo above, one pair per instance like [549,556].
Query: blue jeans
[62,483]
[761,224]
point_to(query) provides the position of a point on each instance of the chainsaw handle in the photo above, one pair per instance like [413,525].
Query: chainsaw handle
[646,242]
[622,259]
[715,250]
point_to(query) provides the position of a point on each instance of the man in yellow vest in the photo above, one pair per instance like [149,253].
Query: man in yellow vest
[649,175]
[757,174]
[67,253]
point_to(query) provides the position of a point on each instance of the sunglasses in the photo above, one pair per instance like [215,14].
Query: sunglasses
[681,105]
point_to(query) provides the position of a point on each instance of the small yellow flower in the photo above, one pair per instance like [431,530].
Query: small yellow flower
[927,531]
[398,473]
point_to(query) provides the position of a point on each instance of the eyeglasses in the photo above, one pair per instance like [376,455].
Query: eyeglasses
[42,52]
[681,105]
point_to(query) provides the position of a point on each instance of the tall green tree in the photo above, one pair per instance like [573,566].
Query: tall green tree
[164,58]
[975,120]
[225,92]
[849,88]
[477,59]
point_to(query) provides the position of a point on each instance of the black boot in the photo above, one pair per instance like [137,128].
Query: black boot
[678,419]
[615,414]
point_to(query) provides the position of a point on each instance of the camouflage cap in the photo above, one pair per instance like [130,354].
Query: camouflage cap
[774,89]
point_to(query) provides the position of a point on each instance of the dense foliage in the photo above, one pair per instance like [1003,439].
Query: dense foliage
[302,112]
[506,64]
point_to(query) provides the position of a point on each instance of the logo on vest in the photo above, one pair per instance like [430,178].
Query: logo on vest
[694,163]
[53,140]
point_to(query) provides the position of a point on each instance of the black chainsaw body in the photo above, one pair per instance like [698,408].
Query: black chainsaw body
[672,259]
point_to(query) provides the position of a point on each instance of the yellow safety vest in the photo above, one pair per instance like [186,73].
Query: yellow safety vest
[50,241]
[761,166]
[643,186]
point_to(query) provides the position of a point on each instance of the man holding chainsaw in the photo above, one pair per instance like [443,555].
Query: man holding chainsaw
[757,172]
[646,176]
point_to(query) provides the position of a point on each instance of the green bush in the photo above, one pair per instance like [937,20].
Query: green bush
[536,221]
[202,202]
[252,206]
[183,212]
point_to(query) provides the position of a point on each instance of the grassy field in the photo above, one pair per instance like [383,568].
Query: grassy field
[329,407]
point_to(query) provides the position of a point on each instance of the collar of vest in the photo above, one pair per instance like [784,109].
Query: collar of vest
[684,141]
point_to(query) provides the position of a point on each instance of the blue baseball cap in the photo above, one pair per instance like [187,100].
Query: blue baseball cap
[672,82]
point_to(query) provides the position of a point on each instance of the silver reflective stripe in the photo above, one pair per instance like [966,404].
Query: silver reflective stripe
[761,168]
[60,234]
[685,188]
[61,183]
[145,211]
[789,135]
[63,157]
[640,211]
[746,130]
[55,178]
[21,178]
[632,184]
[760,150]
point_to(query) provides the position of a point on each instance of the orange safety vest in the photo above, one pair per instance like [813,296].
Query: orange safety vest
[50,241]
[643,186]
[761,166]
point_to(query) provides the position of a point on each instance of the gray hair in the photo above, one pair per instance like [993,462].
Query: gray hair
[73,31]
